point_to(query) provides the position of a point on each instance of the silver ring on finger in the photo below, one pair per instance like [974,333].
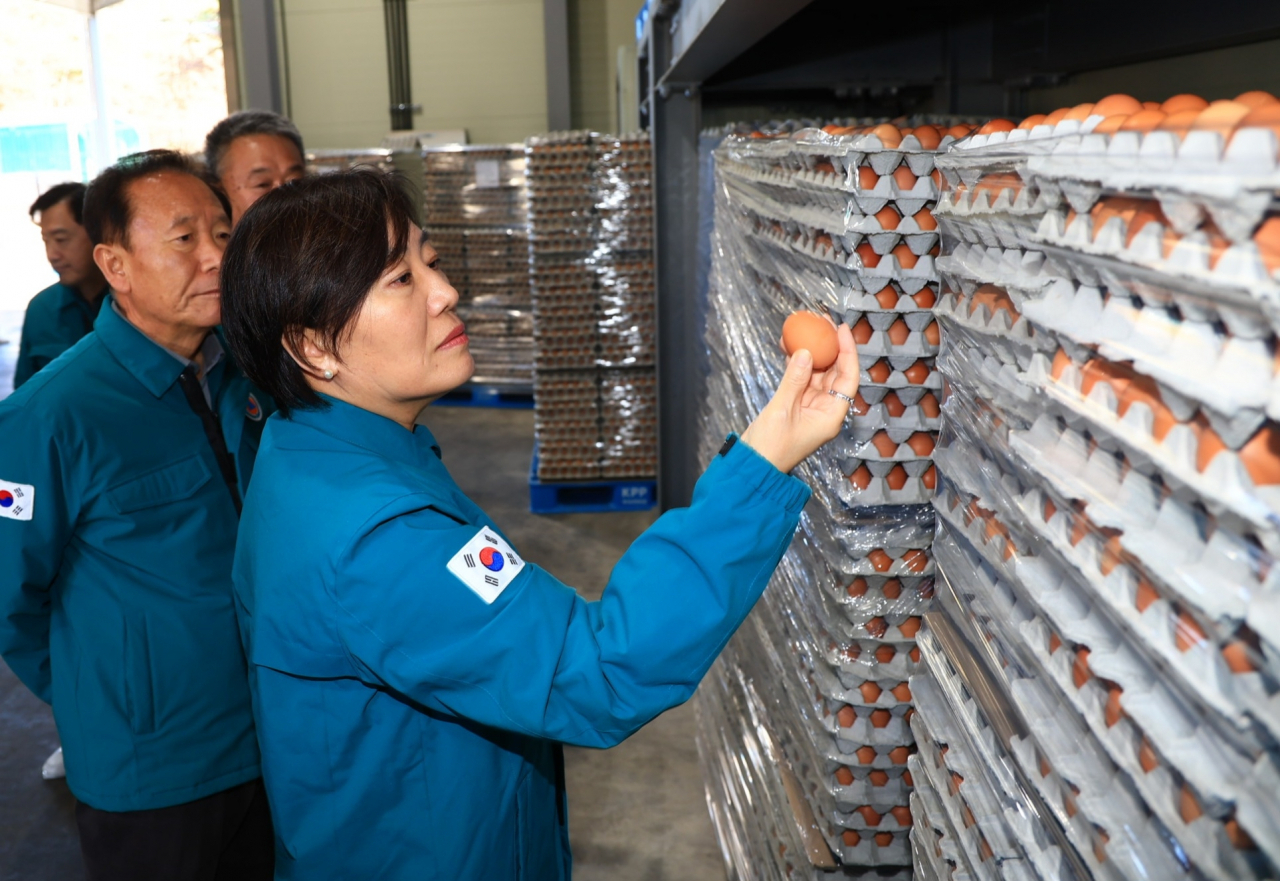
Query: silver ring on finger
[841,395]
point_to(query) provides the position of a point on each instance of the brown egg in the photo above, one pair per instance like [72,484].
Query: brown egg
[850,838]
[1150,105]
[888,135]
[929,406]
[1179,123]
[1116,104]
[932,335]
[880,371]
[870,259]
[929,136]
[926,221]
[844,776]
[902,814]
[1181,103]
[1111,555]
[1267,238]
[1148,213]
[808,330]
[959,131]
[1032,121]
[824,166]
[861,478]
[885,654]
[888,217]
[896,478]
[869,815]
[902,692]
[893,404]
[910,627]
[877,627]
[867,178]
[846,717]
[858,587]
[881,718]
[1049,509]
[1113,711]
[1221,117]
[1069,802]
[917,373]
[853,652]
[1099,846]
[997,125]
[1189,805]
[1147,756]
[984,849]
[892,589]
[1080,672]
[887,296]
[899,755]
[870,692]
[866,755]
[1261,456]
[823,240]
[1146,595]
[966,816]
[880,560]
[1265,116]
[884,839]
[1057,116]
[859,405]
[1239,839]
[921,443]
[1187,632]
[884,445]
[1061,362]
[906,257]
[862,331]
[1143,121]
[1236,654]
[1080,112]
[914,655]
[899,332]
[955,782]
[1110,125]
[1256,99]
[915,560]
[878,778]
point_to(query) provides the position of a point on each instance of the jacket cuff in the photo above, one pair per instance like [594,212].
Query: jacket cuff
[744,472]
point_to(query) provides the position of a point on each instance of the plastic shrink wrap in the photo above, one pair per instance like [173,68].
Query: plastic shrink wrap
[476,208]
[805,722]
[1099,692]
[590,255]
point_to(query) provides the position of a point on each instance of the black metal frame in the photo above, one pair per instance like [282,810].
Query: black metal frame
[396,18]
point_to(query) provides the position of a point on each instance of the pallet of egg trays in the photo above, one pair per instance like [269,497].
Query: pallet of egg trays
[328,161]
[591,258]
[476,210]
[836,221]
[1109,461]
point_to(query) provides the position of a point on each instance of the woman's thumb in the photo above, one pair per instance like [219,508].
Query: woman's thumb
[796,379]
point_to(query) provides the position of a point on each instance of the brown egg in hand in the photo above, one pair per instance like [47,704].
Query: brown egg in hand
[807,330]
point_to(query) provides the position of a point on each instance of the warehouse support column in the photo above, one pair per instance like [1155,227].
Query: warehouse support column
[260,48]
[555,28]
[676,115]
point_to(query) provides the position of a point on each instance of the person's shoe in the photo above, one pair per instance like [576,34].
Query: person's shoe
[53,768]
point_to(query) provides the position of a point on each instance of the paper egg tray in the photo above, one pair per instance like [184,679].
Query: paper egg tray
[1111,689]
[934,852]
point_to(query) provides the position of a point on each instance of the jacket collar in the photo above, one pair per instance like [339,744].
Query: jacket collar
[153,365]
[366,429]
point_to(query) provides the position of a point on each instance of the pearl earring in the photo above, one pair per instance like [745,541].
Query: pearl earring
[328,374]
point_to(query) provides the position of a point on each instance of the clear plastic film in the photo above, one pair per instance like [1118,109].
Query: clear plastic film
[591,258]
[836,221]
[1105,479]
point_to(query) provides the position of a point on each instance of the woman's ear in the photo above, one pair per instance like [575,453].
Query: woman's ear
[112,260]
[312,355]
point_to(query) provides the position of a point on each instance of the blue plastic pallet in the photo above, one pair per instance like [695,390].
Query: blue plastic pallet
[511,397]
[589,496]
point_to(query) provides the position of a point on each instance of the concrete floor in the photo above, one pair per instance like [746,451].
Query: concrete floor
[637,812]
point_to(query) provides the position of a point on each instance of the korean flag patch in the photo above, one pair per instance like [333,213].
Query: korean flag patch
[486,564]
[16,500]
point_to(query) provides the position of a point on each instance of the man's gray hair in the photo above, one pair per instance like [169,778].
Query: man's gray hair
[240,124]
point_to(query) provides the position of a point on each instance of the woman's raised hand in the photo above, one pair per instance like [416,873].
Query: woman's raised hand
[802,415]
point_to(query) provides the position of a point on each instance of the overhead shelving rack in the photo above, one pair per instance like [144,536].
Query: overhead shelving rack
[704,60]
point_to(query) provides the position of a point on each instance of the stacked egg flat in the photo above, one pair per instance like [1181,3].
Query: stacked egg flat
[835,221]
[1107,478]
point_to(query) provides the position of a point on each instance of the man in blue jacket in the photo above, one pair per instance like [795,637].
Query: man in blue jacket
[122,468]
[62,313]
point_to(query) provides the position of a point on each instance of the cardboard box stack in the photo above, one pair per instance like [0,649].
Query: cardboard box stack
[591,260]
[476,215]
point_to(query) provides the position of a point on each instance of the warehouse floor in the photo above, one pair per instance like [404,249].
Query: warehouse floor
[637,811]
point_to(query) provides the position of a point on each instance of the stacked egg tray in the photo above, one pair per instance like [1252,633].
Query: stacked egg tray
[1109,466]
[837,221]
[475,204]
[590,256]
[328,161]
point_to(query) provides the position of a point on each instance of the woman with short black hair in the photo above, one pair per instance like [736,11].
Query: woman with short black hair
[413,678]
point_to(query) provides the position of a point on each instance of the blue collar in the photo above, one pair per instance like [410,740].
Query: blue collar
[154,366]
[366,429]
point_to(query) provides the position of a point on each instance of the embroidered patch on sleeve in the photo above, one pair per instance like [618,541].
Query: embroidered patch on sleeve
[16,500]
[486,564]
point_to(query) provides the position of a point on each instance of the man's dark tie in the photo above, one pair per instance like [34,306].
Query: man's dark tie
[190,383]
